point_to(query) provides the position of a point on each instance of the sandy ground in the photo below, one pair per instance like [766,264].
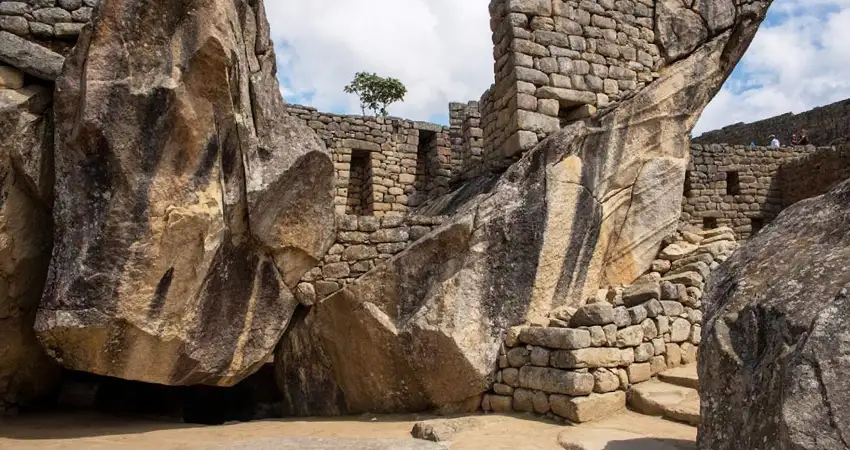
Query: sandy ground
[64,431]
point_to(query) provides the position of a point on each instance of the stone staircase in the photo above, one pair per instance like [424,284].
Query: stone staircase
[674,395]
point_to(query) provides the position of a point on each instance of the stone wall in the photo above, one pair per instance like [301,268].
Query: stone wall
[735,186]
[558,61]
[384,166]
[580,365]
[363,243]
[814,174]
[55,24]
[827,125]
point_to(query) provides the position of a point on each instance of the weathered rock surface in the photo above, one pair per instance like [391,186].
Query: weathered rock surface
[775,351]
[588,207]
[26,172]
[186,206]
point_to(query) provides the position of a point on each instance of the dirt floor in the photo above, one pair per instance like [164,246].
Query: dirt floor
[627,430]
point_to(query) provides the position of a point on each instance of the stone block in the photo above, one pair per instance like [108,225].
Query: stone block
[657,364]
[539,356]
[639,372]
[587,409]
[644,352]
[30,57]
[630,336]
[680,330]
[673,355]
[501,403]
[519,142]
[593,357]
[621,317]
[502,389]
[640,293]
[70,31]
[556,381]
[653,308]
[519,356]
[605,381]
[541,402]
[689,353]
[11,78]
[558,338]
[650,330]
[637,314]
[597,336]
[535,122]
[593,314]
[523,400]
[359,253]
[672,308]
[567,97]
[510,376]
[336,270]
[534,7]
[305,293]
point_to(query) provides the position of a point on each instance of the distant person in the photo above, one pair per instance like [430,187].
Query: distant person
[804,137]
[795,141]
[752,144]
[774,142]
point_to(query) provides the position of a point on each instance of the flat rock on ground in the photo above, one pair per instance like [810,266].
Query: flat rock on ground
[685,376]
[664,399]
[99,432]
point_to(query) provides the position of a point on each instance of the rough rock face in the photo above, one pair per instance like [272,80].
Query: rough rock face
[187,205]
[25,195]
[776,346]
[588,207]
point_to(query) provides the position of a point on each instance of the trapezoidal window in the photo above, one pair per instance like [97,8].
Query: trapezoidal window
[709,223]
[426,161]
[733,183]
[359,201]
[687,189]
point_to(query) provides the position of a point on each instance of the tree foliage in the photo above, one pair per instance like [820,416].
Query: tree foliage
[376,93]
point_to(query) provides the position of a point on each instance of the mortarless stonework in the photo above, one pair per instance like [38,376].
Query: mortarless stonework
[827,125]
[383,166]
[745,188]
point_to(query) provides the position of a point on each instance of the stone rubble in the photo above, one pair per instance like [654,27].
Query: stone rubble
[584,365]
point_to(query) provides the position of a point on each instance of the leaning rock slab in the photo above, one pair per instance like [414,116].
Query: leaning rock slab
[30,57]
[26,166]
[174,173]
[588,207]
[775,347]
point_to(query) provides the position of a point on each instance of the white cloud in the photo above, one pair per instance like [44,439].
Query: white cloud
[442,51]
[799,60]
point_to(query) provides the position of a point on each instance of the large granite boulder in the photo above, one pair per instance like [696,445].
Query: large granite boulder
[586,208]
[26,176]
[187,205]
[775,350]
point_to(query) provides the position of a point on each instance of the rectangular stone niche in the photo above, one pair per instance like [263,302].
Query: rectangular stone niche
[360,185]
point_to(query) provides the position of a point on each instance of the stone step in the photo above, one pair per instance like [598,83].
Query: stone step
[657,398]
[685,376]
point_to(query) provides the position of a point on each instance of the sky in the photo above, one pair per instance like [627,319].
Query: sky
[441,50]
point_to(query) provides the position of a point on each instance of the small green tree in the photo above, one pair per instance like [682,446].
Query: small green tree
[376,93]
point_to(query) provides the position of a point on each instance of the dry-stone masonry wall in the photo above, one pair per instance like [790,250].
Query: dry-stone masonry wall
[384,166]
[558,61]
[745,188]
[580,366]
[56,24]
[814,174]
[827,125]
[362,243]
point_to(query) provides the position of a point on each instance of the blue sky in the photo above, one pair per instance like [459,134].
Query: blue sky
[441,50]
